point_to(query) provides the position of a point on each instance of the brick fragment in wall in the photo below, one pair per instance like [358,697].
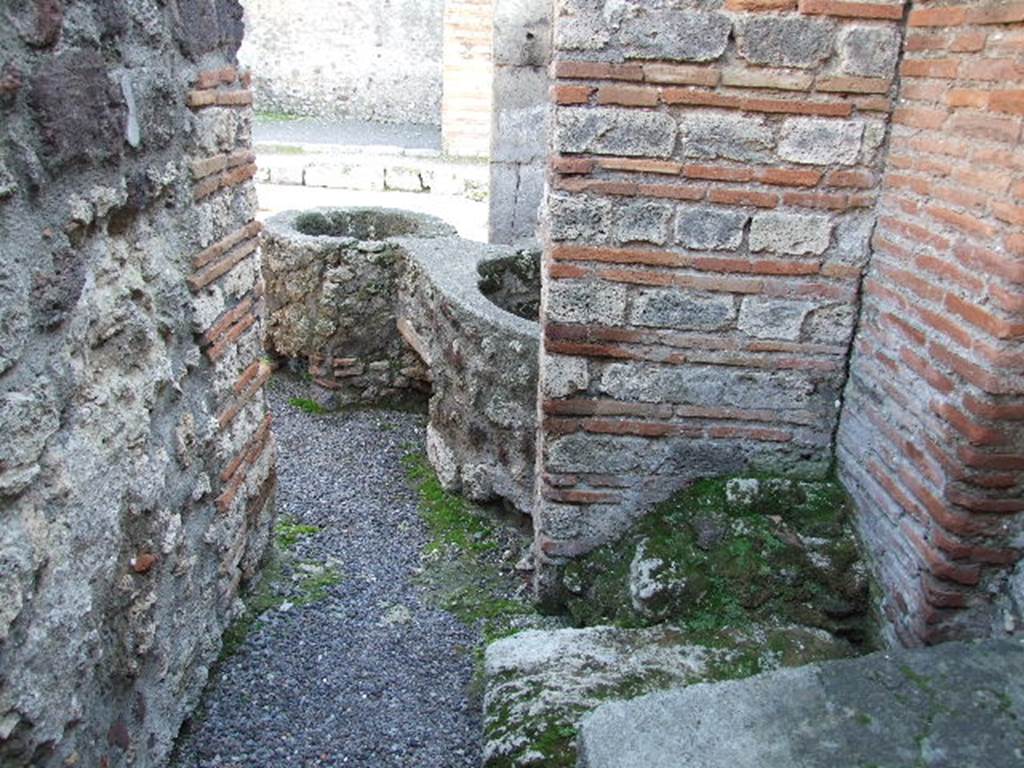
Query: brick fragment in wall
[715,136]
[785,41]
[689,311]
[706,228]
[610,131]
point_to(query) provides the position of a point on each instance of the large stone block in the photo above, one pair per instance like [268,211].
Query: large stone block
[709,385]
[730,137]
[580,26]
[853,239]
[580,218]
[582,452]
[869,51]
[577,301]
[674,35]
[710,229]
[642,221]
[785,41]
[665,308]
[80,111]
[820,141]
[767,318]
[615,132]
[520,115]
[562,376]
[791,233]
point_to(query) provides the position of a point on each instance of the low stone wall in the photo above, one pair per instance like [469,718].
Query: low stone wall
[381,303]
[332,278]
[483,361]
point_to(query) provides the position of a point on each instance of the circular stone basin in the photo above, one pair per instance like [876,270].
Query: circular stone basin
[513,283]
[364,223]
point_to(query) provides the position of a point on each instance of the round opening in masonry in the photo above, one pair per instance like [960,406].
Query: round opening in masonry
[358,223]
[513,283]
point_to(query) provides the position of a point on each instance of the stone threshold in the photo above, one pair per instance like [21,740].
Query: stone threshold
[373,168]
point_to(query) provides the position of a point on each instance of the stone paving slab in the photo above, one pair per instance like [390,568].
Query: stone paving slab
[956,706]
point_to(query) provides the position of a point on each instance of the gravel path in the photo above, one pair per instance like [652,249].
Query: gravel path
[373,675]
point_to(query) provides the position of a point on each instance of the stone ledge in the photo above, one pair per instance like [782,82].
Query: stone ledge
[956,704]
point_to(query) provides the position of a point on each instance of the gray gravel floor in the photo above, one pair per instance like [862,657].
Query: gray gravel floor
[333,683]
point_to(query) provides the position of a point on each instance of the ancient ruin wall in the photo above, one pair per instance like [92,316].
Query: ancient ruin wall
[136,467]
[931,443]
[715,167]
[346,59]
[519,135]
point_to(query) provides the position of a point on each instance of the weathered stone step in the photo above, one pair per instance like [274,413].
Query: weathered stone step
[956,705]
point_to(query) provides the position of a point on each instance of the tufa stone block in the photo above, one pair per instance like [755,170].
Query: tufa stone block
[577,301]
[674,35]
[710,229]
[868,51]
[785,41]
[579,218]
[791,233]
[661,308]
[820,141]
[79,110]
[610,131]
[730,137]
[642,221]
[766,318]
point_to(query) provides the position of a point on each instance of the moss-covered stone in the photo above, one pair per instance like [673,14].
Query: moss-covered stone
[731,553]
[539,685]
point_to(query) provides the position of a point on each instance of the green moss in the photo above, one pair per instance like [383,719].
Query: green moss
[461,575]
[283,579]
[281,149]
[307,405]
[730,560]
[271,116]
[453,524]
[557,743]
[288,532]
[263,595]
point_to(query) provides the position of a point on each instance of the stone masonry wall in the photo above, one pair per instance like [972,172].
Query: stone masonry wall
[931,443]
[346,59]
[519,136]
[715,167]
[136,467]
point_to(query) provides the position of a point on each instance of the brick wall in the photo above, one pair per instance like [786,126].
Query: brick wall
[468,77]
[713,180]
[931,443]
